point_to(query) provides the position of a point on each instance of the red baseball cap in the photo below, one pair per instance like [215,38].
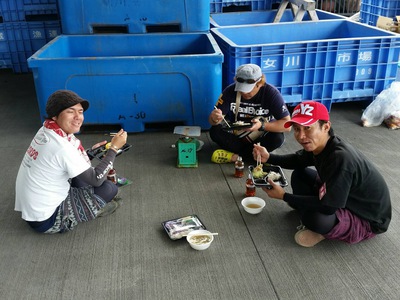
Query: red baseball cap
[307,113]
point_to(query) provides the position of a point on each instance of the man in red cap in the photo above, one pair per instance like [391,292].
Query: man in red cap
[343,197]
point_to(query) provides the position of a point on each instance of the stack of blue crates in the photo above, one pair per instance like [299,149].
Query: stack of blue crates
[330,60]
[141,64]
[25,27]
[371,10]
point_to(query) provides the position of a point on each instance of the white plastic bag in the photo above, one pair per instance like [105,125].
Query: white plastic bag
[385,105]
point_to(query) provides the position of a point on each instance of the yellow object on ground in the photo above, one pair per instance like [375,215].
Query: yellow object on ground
[221,156]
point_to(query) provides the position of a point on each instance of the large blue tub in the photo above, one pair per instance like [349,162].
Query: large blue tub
[133,80]
[133,16]
[263,17]
[330,60]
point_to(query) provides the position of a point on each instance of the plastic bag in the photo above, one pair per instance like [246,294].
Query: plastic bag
[386,106]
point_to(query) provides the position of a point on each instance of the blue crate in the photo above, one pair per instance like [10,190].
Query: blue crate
[5,60]
[12,11]
[39,2]
[262,17]
[398,72]
[93,16]
[133,80]
[19,61]
[4,45]
[221,6]
[328,60]
[15,38]
[370,10]
[28,10]
[22,39]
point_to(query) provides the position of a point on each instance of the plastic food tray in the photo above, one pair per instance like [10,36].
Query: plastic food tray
[180,227]
[101,151]
[233,126]
[263,182]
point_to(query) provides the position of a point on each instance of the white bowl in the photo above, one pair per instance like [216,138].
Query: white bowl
[253,205]
[203,241]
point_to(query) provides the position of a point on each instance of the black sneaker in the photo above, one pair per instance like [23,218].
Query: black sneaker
[108,209]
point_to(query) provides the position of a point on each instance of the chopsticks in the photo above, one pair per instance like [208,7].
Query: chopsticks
[224,118]
[258,157]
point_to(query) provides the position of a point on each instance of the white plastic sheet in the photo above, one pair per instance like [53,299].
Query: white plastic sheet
[385,107]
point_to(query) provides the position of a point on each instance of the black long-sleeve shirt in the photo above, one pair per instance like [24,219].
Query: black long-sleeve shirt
[349,180]
[95,176]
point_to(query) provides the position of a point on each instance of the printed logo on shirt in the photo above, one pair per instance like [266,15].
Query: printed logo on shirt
[249,110]
[32,152]
[106,170]
[322,191]
[41,139]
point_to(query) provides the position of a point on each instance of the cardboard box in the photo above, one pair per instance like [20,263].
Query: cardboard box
[388,24]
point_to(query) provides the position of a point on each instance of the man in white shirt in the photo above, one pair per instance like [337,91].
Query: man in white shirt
[56,186]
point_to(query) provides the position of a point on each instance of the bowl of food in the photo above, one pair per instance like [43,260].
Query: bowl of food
[200,239]
[253,205]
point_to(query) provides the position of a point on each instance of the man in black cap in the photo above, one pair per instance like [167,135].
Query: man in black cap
[56,186]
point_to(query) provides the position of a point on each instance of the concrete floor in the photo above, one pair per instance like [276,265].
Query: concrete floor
[128,255]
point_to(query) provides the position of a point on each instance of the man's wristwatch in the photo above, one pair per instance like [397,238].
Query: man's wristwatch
[262,120]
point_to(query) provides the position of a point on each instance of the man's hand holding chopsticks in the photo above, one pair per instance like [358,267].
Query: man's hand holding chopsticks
[260,153]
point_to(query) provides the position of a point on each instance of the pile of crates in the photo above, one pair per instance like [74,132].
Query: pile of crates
[330,60]
[25,27]
[371,10]
[141,64]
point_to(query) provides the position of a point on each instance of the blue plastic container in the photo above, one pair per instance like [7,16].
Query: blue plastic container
[370,10]
[262,17]
[133,80]
[4,44]
[39,2]
[28,10]
[22,39]
[222,6]
[332,61]
[93,16]
[5,60]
